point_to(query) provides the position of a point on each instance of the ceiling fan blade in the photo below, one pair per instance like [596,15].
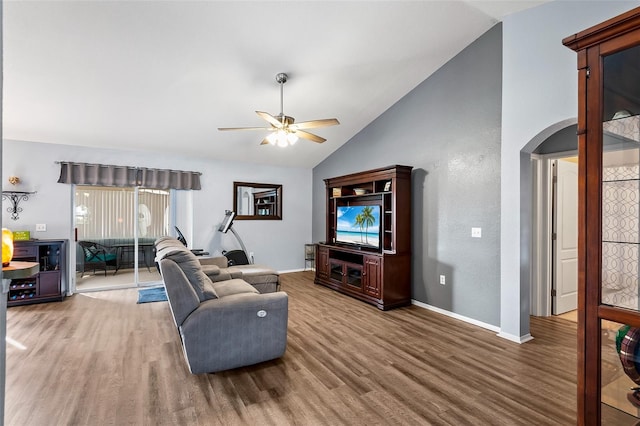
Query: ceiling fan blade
[310,136]
[244,128]
[264,142]
[270,118]
[315,123]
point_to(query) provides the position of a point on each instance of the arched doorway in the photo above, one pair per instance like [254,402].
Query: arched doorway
[536,209]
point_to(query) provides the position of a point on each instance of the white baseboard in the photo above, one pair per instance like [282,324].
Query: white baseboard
[456,316]
[517,339]
[510,337]
[293,270]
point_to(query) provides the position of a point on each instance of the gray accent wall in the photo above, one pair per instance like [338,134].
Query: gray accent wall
[447,128]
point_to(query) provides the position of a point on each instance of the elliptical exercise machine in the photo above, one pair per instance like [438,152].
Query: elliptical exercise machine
[235,257]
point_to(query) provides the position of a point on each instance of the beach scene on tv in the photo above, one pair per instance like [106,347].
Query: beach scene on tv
[358,225]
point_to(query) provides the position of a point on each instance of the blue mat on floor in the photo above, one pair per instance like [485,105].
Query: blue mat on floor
[153,294]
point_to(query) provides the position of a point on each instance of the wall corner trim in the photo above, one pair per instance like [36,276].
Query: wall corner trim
[517,339]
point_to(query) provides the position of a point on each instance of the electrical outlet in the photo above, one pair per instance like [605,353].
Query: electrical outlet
[250,255]
[41,227]
[442,280]
[476,232]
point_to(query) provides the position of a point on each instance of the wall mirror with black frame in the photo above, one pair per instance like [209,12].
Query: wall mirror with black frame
[257,201]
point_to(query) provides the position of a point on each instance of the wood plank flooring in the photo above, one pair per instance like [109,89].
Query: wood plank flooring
[100,358]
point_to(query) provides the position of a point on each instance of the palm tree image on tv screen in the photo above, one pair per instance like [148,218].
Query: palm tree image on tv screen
[359,225]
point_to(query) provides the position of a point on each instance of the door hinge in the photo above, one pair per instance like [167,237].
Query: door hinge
[588,72]
[553,293]
[554,236]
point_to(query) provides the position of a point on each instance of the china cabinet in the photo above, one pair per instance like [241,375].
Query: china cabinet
[609,220]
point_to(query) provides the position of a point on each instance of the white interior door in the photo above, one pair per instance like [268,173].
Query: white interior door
[565,244]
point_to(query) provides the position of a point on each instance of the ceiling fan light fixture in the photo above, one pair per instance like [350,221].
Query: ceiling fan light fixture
[292,138]
[282,138]
[272,138]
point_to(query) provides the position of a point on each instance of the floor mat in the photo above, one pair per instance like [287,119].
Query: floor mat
[153,294]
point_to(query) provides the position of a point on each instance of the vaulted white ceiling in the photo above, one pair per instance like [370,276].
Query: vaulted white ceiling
[151,75]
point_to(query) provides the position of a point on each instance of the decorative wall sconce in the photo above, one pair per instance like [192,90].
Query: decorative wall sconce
[15,197]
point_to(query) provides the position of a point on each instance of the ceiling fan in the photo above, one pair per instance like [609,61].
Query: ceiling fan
[284,130]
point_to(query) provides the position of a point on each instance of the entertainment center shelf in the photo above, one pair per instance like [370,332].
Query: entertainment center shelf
[373,265]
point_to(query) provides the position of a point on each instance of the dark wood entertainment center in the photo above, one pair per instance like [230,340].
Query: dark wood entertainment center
[379,274]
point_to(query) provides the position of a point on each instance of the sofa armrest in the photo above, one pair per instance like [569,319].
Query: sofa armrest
[219,261]
[183,299]
[236,330]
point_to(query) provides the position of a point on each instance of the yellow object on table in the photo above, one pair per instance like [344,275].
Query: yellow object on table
[7,246]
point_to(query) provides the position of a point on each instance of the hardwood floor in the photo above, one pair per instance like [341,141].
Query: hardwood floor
[100,358]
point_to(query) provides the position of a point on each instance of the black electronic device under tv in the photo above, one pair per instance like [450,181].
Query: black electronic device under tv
[227,221]
[358,225]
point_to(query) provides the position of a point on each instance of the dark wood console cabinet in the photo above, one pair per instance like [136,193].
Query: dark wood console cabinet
[46,285]
[380,276]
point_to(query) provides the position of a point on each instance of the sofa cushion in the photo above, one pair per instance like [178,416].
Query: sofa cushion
[211,270]
[219,261]
[234,286]
[189,264]
[164,239]
[269,287]
[255,274]
[222,276]
[167,245]
[234,272]
[166,251]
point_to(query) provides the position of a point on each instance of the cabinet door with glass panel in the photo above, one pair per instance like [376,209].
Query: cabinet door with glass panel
[609,221]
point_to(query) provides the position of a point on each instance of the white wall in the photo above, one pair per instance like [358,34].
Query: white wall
[539,91]
[279,244]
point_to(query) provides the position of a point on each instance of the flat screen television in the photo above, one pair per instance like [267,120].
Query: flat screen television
[227,221]
[358,225]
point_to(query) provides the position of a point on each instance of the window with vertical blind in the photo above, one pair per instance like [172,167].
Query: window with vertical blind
[106,212]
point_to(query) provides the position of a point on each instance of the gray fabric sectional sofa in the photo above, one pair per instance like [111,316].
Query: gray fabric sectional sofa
[223,324]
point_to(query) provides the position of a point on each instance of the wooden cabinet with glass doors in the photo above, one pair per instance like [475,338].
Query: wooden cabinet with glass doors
[609,221]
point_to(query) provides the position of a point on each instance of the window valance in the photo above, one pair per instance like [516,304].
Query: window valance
[126,176]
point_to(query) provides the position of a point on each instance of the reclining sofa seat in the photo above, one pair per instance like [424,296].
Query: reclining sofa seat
[222,325]
[263,278]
